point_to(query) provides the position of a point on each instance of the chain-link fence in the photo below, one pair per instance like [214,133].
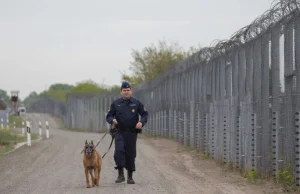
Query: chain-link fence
[238,102]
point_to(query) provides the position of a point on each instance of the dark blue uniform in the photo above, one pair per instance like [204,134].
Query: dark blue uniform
[126,112]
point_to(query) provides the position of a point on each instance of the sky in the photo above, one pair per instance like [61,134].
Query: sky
[68,41]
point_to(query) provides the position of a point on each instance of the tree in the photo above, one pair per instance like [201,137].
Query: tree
[61,87]
[153,60]
[31,98]
[56,91]
[87,87]
[59,91]
[114,88]
[4,96]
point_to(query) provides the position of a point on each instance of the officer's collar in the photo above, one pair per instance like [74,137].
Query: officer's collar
[130,99]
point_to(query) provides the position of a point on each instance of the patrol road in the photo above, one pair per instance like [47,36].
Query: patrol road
[54,165]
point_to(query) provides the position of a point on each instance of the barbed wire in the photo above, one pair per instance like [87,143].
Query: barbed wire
[279,11]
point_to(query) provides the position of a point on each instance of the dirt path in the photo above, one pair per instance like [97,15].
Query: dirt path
[54,165]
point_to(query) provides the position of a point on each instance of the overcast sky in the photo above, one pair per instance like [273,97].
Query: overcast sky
[67,41]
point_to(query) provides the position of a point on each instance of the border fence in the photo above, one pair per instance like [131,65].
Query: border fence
[238,102]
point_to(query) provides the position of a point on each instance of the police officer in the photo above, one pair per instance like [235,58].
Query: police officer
[124,113]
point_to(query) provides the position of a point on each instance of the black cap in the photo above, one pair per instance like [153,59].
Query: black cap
[125,85]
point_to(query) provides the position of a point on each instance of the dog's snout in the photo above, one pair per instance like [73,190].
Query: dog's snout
[89,150]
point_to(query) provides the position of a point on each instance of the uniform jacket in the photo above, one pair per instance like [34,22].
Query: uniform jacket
[127,112]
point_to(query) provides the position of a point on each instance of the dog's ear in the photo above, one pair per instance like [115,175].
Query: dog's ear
[86,142]
[92,142]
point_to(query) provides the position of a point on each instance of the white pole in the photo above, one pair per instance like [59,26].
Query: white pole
[28,133]
[7,121]
[47,129]
[14,124]
[40,128]
[23,129]
[2,126]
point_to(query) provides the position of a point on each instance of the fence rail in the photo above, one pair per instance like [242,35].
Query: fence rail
[238,102]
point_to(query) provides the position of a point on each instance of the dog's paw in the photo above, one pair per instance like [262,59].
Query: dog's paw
[88,186]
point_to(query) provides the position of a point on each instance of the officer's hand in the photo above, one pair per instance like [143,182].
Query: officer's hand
[115,122]
[139,125]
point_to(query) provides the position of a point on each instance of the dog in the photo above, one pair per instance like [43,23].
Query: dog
[92,161]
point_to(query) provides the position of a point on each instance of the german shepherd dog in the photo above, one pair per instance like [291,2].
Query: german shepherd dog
[92,161]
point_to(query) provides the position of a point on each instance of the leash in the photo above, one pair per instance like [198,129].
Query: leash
[112,139]
[112,131]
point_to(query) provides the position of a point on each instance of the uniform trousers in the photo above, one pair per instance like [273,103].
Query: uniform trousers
[125,150]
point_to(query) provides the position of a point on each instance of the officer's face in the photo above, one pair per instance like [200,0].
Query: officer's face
[126,92]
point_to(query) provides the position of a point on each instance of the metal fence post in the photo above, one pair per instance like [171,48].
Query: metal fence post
[170,127]
[199,136]
[212,137]
[225,141]
[157,124]
[184,129]
[253,144]
[297,148]
[175,126]
[206,136]
[275,129]
[192,124]
[165,124]
[238,143]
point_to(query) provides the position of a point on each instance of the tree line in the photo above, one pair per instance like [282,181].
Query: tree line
[146,65]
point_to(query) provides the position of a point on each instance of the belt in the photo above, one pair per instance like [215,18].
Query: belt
[134,130]
[127,129]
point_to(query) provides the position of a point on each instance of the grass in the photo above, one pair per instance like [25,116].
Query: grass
[8,138]
[17,119]
[4,149]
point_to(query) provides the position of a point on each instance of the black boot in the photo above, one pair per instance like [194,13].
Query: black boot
[129,177]
[121,177]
